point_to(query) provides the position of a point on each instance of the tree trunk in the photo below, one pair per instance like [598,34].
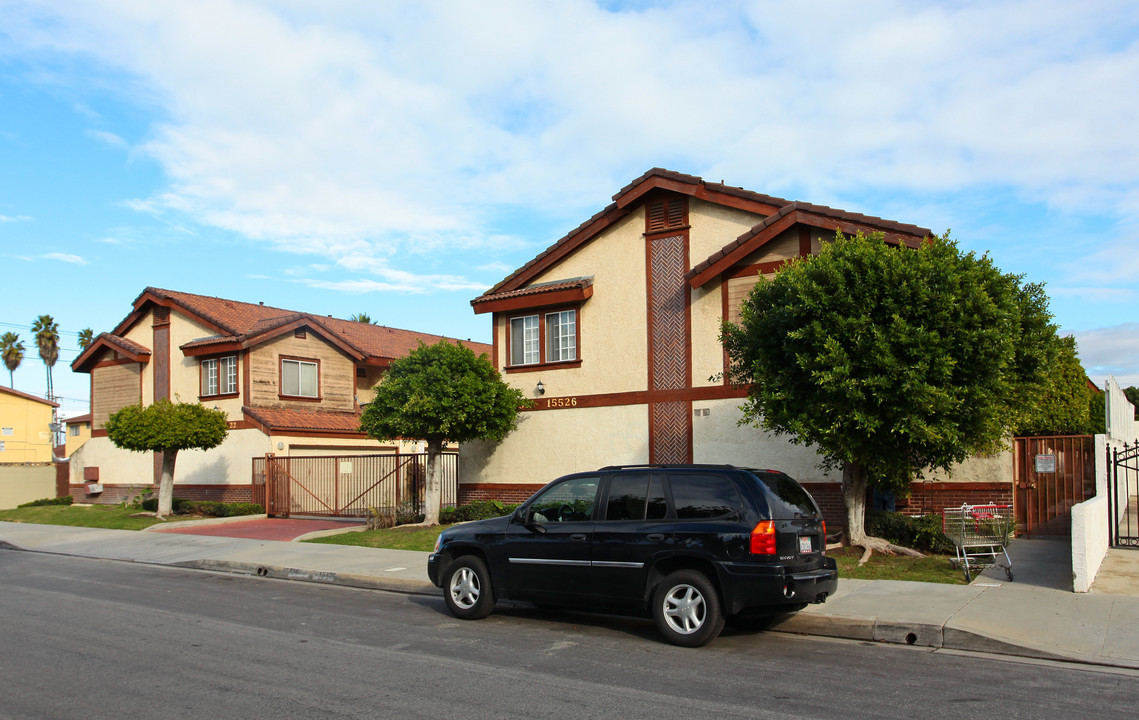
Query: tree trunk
[166,484]
[432,495]
[854,485]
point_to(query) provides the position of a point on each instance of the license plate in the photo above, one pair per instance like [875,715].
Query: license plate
[804,544]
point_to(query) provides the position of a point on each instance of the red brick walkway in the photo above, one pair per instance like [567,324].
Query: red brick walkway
[260,529]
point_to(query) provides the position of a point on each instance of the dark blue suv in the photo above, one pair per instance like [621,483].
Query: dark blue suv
[691,545]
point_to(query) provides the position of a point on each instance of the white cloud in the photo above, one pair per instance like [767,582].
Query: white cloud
[107,137]
[368,132]
[63,257]
[14,218]
[1111,350]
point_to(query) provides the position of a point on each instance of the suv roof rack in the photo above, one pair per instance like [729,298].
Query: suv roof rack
[670,465]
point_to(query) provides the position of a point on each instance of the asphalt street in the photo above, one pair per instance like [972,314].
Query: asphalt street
[87,638]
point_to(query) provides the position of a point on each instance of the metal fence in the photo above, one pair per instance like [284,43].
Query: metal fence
[347,485]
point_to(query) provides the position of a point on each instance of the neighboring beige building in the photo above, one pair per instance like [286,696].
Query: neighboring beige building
[614,332]
[291,383]
[25,427]
[78,432]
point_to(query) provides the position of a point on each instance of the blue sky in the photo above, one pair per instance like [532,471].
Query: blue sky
[398,158]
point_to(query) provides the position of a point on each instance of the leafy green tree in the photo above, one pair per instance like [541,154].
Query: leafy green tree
[442,393]
[890,361]
[166,427]
[12,351]
[1064,406]
[47,342]
[86,337]
[1132,394]
[362,318]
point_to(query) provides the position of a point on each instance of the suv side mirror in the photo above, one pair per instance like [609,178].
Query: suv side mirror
[525,518]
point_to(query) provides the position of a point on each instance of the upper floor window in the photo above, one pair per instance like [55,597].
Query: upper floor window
[74,430]
[300,378]
[543,338]
[219,376]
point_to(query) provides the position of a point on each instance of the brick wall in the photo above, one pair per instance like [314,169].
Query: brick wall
[116,494]
[503,492]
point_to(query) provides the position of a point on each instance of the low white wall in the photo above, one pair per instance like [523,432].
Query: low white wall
[1089,541]
[23,483]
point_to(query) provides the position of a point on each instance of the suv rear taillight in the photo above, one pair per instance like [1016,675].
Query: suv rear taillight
[763,538]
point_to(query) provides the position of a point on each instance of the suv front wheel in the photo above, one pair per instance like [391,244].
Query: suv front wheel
[686,608]
[467,588]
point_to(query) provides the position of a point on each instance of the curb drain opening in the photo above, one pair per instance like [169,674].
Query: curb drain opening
[911,638]
[262,571]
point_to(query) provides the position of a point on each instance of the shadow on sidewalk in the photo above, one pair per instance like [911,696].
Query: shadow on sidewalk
[1044,562]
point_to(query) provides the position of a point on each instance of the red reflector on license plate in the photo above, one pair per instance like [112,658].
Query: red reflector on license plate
[804,544]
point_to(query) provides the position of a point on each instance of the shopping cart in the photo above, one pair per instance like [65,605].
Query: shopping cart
[979,533]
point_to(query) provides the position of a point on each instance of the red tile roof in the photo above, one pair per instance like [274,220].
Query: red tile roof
[238,321]
[539,289]
[305,420]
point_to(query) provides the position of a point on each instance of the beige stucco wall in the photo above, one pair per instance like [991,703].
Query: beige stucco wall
[24,483]
[995,468]
[551,443]
[612,323]
[718,438]
[185,372]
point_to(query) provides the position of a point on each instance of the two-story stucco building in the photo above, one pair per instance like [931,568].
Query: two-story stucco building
[291,384]
[614,332]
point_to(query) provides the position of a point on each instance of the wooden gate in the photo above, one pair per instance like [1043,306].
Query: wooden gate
[1051,475]
[347,485]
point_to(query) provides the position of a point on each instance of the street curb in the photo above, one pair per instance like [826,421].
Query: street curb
[159,527]
[321,577]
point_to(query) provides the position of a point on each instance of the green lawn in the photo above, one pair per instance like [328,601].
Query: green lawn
[110,517]
[397,538]
[932,568]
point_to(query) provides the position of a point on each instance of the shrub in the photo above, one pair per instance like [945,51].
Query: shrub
[920,533]
[182,506]
[477,510]
[407,515]
[65,500]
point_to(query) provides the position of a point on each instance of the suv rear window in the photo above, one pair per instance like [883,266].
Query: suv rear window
[787,498]
[697,497]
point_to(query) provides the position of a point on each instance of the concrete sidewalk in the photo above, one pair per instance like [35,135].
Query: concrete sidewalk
[1036,616]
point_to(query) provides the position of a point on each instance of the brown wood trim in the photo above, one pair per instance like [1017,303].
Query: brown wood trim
[535,301]
[535,367]
[281,433]
[563,248]
[240,425]
[227,348]
[246,382]
[638,397]
[495,346]
[254,423]
[804,241]
[111,363]
[759,269]
[371,448]
[725,307]
[101,432]
[741,251]
[281,379]
[696,190]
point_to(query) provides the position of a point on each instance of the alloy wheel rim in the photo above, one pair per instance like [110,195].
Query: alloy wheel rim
[684,609]
[465,588]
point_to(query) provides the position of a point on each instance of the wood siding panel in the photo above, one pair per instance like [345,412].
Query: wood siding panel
[337,374]
[738,290]
[112,388]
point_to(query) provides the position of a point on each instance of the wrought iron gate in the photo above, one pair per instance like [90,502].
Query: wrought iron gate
[1121,498]
[347,485]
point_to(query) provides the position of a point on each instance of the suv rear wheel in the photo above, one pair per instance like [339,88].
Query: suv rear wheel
[467,590]
[686,608]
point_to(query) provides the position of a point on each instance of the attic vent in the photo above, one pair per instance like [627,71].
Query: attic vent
[665,215]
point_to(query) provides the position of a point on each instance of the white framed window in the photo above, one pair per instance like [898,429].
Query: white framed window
[300,378]
[525,343]
[561,336]
[543,338]
[219,376]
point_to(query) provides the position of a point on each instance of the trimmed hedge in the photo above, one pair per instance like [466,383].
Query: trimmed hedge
[65,500]
[477,510]
[920,533]
[182,506]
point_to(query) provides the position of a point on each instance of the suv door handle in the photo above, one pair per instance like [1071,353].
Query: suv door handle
[654,537]
[577,536]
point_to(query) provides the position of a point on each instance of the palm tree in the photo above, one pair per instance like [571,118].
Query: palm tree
[12,350]
[362,317]
[86,337]
[47,342]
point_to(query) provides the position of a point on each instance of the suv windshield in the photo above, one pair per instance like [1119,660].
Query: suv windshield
[787,498]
